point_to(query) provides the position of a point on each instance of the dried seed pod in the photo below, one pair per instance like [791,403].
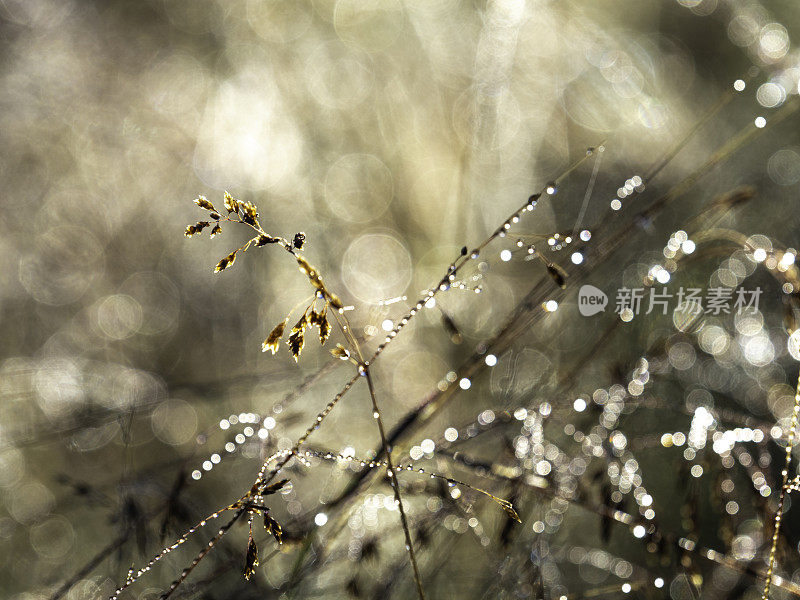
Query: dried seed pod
[263,240]
[273,339]
[203,202]
[451,328]
[225,262]
[215,231]
[340,352]
[273,527]
[316,281]
[251,560]
[311,273]
[231,205]
[301,324]
[320,319]
[215,216]
[558,274]
[249,213]
[196,228]
[324,329]
[299,240]
[296,341]
[509,508]
[314,317]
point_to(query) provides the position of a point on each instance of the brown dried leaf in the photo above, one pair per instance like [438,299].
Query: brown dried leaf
[251,560]
[231,204]
[225,262]
[203,202]
[274,338]
[340,352]
[296,341]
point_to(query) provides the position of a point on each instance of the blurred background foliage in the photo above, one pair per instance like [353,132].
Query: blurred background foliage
[392,133]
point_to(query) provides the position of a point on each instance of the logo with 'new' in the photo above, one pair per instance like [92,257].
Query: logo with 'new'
[591,300]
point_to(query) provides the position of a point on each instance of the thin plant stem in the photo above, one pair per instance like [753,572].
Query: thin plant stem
[390,474]
[363,366]
[784,490]
[208,547]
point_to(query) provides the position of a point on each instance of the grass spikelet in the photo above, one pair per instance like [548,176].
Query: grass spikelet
[226,262]
[251,558]
[273,339]
[296,342]
[231,204]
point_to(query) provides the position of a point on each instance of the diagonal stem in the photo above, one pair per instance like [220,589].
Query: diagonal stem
[390,473]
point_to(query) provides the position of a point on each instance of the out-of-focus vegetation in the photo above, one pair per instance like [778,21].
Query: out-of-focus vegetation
[644,453]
